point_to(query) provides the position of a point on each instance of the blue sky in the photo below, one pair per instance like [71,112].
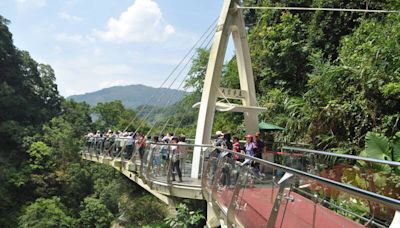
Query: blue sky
[93,44]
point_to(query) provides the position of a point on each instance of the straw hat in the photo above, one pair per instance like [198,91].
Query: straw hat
[219,134]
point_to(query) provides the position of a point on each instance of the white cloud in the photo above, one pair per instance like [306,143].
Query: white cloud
[141,22]
[111,70]
[31,3]
[106,84]
[85,73]
[69,17]
[74,38]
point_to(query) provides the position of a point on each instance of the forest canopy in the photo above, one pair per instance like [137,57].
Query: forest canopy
[44,183]
[332,79]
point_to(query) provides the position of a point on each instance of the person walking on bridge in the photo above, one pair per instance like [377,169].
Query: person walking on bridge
[129,145]
[155,149]
[260,148]
[141,147]
[220,140]
[183,152]
[219,143]
[250,148]
[175,160]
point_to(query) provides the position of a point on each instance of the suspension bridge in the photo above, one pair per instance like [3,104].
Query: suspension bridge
[296,188]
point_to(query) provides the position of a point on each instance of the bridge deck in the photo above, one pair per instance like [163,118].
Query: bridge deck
[257,204]
[157,185]
[239,196]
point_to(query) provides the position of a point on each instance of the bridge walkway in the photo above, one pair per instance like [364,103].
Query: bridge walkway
[281,195]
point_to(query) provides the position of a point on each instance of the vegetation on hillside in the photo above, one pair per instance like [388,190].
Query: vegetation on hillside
[44,183]
[329,78]
[131,96]
[332,79]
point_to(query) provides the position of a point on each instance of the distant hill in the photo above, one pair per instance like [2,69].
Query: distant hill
[131,96]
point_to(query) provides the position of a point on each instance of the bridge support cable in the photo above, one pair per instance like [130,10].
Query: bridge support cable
[202,39]
[316,9]
[204,44]
[180,122]
[172,72]
[231,22]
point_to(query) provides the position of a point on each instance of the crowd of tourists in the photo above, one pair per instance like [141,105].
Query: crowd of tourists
[170,157]
[163,148]
[253,146]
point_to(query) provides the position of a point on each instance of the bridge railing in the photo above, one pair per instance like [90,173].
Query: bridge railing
[260,193]
[282,196]
[375,175]
[160,162]
[173,162]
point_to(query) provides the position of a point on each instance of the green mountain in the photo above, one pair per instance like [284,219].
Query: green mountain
[132,96]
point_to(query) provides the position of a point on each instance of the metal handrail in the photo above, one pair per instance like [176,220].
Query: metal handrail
[374,197]
[323,201]
[364,194]
[394,203]
[185,145]
[353,157]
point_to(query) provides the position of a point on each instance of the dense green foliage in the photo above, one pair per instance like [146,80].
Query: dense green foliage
[342,93]
[44,183]
[142,211]
[46,213]
[29,98]
[328,77]
[184,218]
[94,213]
[332,79]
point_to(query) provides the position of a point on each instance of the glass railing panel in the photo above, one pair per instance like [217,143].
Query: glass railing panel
[204,156]
[186,157]
[225,180]
[159,163]
[134,160]
[290,208]
[273,198]
[146,155]
[368,175]
[209,170]
[217,184]
[145,158]
[185,160]
[156,164]
[255,198]
[379,178]
[308,203]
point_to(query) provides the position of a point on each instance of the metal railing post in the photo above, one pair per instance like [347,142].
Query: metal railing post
[169,168]
[150,163]
[235,204]
[278,200]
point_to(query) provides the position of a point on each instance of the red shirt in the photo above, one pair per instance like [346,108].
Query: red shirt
[236,148]
[142,142]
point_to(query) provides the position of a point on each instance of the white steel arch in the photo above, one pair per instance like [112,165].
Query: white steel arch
[231,22]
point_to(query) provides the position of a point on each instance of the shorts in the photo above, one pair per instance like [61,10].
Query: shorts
[157,160]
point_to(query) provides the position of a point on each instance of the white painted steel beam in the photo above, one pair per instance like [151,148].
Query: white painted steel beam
[230,22]
[211,81]
[224,107]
